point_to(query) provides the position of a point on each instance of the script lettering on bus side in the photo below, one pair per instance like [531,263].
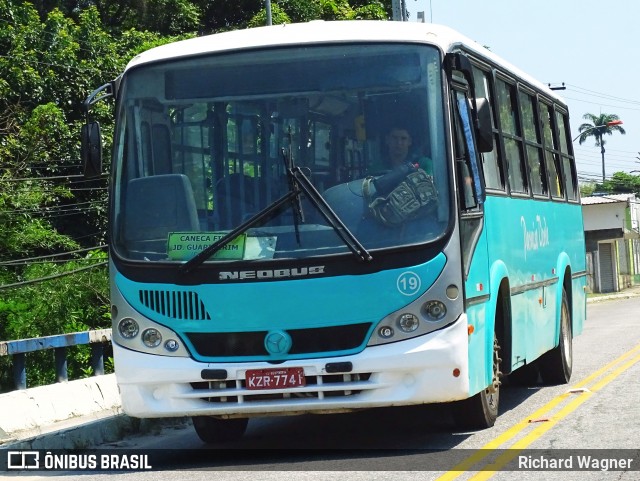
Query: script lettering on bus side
[536,235]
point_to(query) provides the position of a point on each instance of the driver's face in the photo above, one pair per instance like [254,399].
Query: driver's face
[398,143]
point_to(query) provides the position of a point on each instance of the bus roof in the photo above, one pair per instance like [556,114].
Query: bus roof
[320,31]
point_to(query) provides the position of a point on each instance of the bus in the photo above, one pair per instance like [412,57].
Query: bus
[335,216]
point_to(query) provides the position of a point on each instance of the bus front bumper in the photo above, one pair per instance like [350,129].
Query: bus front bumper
[427,369]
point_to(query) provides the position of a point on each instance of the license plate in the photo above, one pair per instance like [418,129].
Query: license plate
[281,378]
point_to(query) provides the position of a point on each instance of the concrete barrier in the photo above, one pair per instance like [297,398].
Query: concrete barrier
[35,411]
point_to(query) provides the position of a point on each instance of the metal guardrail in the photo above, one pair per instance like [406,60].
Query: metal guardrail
[59,343]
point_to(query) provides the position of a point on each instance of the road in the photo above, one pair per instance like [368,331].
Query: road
[598,410]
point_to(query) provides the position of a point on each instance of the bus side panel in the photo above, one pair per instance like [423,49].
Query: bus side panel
[480,315]
[538,242]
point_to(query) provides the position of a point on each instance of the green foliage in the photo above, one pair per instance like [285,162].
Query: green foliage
[52,55]
[278,17]
[300,10]
[622,183]
[587,189]
[619,183]
[372,11]
[294,11]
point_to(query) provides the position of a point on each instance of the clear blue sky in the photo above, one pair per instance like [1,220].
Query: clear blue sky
[591,46]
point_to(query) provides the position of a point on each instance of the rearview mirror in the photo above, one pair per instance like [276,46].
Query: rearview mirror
[91,150]
[484,128]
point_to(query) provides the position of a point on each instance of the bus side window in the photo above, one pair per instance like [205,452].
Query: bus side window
[568,163]
[533,145]
[511,136]
[551,152]
[463,155]
[491,165]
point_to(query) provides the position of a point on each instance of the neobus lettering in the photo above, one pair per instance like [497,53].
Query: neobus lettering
[271,273]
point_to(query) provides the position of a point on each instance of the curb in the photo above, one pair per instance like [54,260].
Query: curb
[633,292]
[71,415]
[28,413]
[84,434]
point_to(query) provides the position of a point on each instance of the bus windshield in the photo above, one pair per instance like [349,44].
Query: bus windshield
[205,143]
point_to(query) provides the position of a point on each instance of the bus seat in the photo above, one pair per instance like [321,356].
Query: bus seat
[156,206]
[234,200]
[347,201]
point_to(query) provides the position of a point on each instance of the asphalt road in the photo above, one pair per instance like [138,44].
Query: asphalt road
[596,415]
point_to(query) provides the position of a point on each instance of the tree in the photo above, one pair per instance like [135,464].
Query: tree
[53,53]
[622,183]
[599,125]
[48,66]
[227,14]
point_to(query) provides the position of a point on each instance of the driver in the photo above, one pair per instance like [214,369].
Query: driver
[407,191]
[398,142]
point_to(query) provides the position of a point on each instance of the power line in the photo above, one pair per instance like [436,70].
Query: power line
[54,276]
[50,261]
[55,177]
[601,104]
[59,254]
[56,209]
[602,95]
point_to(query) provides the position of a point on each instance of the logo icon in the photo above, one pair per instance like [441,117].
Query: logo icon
[23,460]
[278,342]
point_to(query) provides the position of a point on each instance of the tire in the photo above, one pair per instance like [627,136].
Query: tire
[556,365]
[215,430]
[481,410]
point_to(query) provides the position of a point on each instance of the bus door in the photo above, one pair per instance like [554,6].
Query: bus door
[473,238]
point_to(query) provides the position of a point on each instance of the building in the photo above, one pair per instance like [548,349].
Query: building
[612,235]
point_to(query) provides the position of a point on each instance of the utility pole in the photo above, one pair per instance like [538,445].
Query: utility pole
[399,9]
[268,7]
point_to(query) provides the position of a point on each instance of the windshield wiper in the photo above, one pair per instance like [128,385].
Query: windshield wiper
[350,240]
[265,214]
[298,213]
[299,184]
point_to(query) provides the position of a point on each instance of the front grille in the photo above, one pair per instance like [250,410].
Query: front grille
[304,341]
[175,304]
[317,387]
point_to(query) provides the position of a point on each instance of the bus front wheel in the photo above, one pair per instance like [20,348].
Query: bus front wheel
[481,410]
[556,365]
[215,430]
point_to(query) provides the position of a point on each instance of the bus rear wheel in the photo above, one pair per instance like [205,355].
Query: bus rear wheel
[481,410]
[215,430]
[556,365]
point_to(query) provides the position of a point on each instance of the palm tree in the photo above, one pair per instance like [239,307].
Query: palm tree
[600,125]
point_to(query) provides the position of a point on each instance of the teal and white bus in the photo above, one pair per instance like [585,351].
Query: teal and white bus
[267,258]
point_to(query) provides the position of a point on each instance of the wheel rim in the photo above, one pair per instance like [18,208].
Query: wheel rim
[493,391]
[567,347]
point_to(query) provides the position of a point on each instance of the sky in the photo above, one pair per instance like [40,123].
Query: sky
[591,46]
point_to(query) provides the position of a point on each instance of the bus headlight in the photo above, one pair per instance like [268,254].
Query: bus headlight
[128,328]
[385,332]
[435,310]
[151,337]
[412,321]
[408,322]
